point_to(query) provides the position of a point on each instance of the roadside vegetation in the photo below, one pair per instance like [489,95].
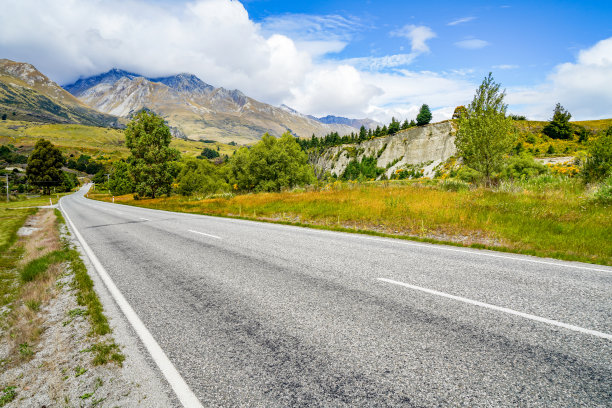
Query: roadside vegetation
[34,268]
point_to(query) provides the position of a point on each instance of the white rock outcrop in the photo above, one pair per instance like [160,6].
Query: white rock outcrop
[427,145]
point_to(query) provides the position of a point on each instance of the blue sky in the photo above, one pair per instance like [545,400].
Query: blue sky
[350,58]
[520,40]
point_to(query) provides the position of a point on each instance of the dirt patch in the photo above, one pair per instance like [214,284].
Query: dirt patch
[48,354]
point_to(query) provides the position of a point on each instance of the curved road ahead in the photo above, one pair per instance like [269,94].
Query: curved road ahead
[269,315]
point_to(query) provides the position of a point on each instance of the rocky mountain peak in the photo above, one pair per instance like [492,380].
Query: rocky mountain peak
[185,83]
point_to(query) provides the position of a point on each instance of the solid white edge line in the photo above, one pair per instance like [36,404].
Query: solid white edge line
[203,233]
[178,384]
[442,247]
[502,309]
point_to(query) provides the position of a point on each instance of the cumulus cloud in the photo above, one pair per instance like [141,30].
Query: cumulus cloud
[418,36]
[472,44]
[583,87]
[214,39]
[339,89]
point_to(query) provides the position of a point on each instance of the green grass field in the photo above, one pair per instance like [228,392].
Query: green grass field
[561,222]
[90,140]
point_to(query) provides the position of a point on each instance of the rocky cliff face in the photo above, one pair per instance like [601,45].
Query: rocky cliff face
[423,147]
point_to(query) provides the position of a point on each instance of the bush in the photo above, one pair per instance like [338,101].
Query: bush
[454,185]
[522,167]
[365,169]
[469,175]
[603,194]
[200,176]
[208,153]
[598,164]
[269,165]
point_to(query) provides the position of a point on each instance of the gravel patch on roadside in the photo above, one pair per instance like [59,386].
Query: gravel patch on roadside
[61,372]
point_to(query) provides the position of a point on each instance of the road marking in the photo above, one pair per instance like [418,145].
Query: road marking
[203,233]
[442,247]
[502,309]
[178,384]
[145,219]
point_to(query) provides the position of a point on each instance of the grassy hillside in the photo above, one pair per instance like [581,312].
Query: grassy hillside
[22,101]
[532,139]
[91,140]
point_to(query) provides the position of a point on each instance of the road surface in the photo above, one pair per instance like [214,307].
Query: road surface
[261,314]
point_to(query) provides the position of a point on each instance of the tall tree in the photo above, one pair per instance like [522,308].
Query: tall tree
[559,126]
[44,167]
[459,111]
[394,126]
[148,138]
[424,116]
[485,134]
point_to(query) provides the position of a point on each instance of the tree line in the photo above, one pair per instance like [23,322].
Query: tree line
[334,139]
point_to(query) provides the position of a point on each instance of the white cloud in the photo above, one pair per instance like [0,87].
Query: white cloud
[418,36]
[505,66]
[472,44]
[340,90]
[584,87]
[381,63]
[461,21]
[214,39]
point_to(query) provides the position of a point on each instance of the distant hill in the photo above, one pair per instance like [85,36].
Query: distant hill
[27,94]
[356,123]
[195,108]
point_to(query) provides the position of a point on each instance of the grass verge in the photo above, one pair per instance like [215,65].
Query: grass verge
[561,222]
[44,258]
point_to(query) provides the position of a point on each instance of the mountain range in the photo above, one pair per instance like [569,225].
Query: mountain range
[197,110]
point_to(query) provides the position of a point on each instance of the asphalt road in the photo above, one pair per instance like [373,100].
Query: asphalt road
[257,314]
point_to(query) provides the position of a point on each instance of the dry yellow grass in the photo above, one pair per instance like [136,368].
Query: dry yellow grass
[25,321]
[561,222]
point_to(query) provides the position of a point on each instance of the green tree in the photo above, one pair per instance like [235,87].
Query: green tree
[394,126]
[200,176]
[405,124]
[485,134]
[559,126]
[120,182]
[459,111]
[148,138]
[269,165]
[598,164]
[424,116]
[208,153]
[44,168]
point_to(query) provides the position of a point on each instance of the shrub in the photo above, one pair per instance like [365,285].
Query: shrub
[603,194]
[365,169]
[200,176]
[469,175]
[522,167]
[598,164]
[454,185]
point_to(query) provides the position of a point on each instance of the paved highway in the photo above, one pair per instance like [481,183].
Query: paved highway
[269,315]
